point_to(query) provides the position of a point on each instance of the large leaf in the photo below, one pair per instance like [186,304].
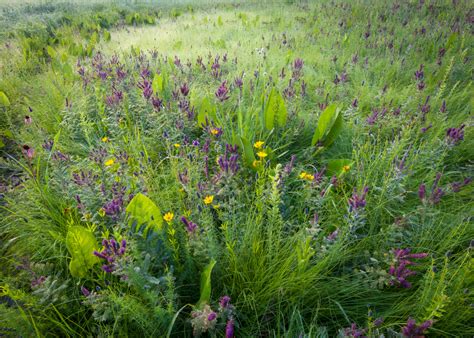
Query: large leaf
[275,108]
[336,166]
[4,101]
[144,211]
[335,131]
[206,284]
[247,151]
[81,244]
[158,83]
[325,123]
[207,112]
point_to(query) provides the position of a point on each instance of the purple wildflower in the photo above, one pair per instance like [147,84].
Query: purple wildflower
[229,329]
[28,151]
[455,135]
[111,252]
[184,89]
[224,302]
[85,292]
[212,316]
[399,269]
[413,330]
[222,91]
[146,88]
[190,226]
[353,331]
[457,186]
[357,201]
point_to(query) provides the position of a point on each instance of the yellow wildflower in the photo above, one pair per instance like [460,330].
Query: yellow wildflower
[208,199]
[258,144]
[255,163]
[105,139]
[262,154]
[108,163]
[346,168]
[214,131]
[168,217]
[102,212]
[177,145]
[305,176]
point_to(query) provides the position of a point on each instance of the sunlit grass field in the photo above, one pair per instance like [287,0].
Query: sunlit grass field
[236,168]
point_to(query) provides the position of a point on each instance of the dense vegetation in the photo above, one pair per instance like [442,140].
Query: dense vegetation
[240,169]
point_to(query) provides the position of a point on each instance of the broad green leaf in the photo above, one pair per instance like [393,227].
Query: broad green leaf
[325,123]
[81,244]
[275,108]
[143,210]
[335,131]
[157,84]
[336,166]
[247,150]
[4,101]
[206,284]
[206,109]
[51,52]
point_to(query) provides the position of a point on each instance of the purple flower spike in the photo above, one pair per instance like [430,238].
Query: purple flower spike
[229,329]
[190,226]
[357,201]
[413,330]
[85,292]
[222,91]
[212,316]
[224,302]
[455,135]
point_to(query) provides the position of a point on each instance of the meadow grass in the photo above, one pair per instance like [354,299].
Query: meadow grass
[310,160]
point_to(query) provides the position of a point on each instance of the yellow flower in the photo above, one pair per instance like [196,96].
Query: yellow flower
[177,145]
[108,163]
[258,144]
[306,176]
[102,212]
[262,154]
[255,163]
[346,168]
[168,217]
[208,199]
[214,131]
[217,206]
[105,139]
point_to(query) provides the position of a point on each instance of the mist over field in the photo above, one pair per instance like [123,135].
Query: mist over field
[236,168]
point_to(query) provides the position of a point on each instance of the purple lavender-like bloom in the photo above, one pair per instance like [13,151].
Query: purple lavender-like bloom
[353,331]
[457,186]
[222,91]
[419,74]
[184,89]
[111,252]
[355,103]
[239,81]
[399,269]
[289,166]
[85,292]
[212,316]
[373,117]
[190,226]
[224,302]
[84,178]
[333,235]
[229,164]
[48,145]
[357,201]
[455,135]
[28,151]
[413,330]
[229,329]
[157,103]
[146,88]
[422,192]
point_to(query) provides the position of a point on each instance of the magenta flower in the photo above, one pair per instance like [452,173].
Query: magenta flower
[229,329]
[28,151]
[190,226]
[357,201]
[399,269]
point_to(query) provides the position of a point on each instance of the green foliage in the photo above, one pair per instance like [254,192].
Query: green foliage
[274,109]
[329,126]
[143,211]
[81,244]
[206,284]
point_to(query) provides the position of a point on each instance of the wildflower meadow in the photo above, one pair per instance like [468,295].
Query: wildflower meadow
[236,168]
